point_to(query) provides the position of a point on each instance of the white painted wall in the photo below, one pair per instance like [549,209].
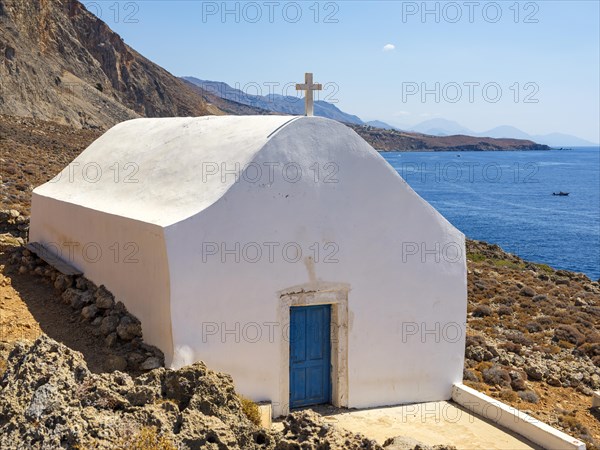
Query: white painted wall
[215,309]
[127,256]
[369,213]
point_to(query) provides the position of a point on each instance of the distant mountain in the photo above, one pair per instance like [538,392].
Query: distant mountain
[505,131]
[59,62]
[443,127]
[562,140]
[274,102]
[380,124]
[553,139]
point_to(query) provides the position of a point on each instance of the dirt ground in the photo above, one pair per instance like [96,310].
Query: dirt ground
[29,305]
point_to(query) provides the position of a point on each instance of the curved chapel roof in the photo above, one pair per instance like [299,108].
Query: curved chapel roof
[155,170]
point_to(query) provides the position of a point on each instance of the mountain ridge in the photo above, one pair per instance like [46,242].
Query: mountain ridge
[61,63]
[273,102]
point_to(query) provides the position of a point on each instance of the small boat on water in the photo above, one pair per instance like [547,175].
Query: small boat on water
[561,194]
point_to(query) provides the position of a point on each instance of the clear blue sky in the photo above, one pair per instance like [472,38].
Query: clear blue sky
[552,45]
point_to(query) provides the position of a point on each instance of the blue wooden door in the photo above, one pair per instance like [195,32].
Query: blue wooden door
[310,355]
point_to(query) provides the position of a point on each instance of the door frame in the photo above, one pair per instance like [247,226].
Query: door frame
[335,295]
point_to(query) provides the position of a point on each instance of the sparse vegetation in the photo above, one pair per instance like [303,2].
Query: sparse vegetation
[147,438]
[475,257]
[482,311]
[250,409]
[540,342]
[529,396]
[496,375]
[2,366]
[508,395]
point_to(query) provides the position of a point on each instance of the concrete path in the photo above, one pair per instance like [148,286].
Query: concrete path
[431,423]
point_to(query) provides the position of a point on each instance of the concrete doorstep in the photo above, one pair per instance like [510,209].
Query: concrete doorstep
[511,418]
[469,421]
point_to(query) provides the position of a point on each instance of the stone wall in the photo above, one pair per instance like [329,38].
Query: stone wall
[112,323]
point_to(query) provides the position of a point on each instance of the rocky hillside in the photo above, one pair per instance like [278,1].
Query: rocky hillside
[59,62]
[395,140]
[32,152]
[534,339]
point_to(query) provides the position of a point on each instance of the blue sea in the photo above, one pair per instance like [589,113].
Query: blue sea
[506,198]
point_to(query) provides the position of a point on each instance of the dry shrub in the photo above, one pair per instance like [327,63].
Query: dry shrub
[472,375]
[480,387]
[482,311]
[483,365]
[589,349]
[566,345]
[529,396]
[476,340]
[508,395]
[146,438]
[571,423]
[511,347]
[3,367]
[496,376]
[545,321]
[533,326]
[250,409]
[508,301]
[568,333]
[519,338]
[505,310]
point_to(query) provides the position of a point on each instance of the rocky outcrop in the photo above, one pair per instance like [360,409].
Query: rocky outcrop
[61,63]
[310,431]
[49,399]
[405,443]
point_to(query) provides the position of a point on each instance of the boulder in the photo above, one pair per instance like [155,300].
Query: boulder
[111,340]
[109,325]
[535,372]
[89,312]
[128,328]
[151,363]
[63,282]
[115,362]
[104,299]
